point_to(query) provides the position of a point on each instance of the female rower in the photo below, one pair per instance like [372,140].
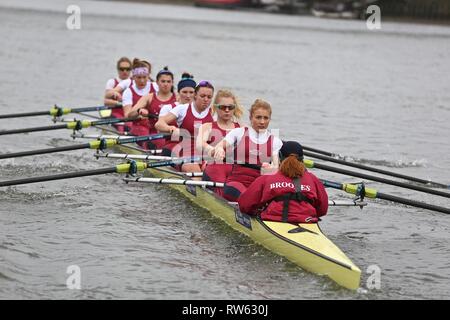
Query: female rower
[255,150]
[117,92]
[186,89]
[124,72]
[292,195]
[139,87]
[228,113]
[150,105]
[189,118]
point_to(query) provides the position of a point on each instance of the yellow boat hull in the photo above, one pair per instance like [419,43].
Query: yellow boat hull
[303,244]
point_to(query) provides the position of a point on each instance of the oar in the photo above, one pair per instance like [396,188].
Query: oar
[311,164]
[81,135]
[97,144]
[121,168]
[181,174]
[385,172]
[360,190]
[326,153]
[176,181]
[127,156]
[221,185]
[130,168]
[57,111]
[74,125]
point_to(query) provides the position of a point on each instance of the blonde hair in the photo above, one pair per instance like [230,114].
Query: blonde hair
[291,167]
[223,93]
[260,104]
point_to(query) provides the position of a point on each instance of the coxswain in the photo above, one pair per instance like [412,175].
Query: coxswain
[292,195]
[229,113]
[149,107]
[255,150]
[189,117]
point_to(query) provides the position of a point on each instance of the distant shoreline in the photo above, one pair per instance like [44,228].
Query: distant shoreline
[177,2]
[390,18]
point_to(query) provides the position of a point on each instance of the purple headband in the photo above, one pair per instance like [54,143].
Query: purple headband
[141,71]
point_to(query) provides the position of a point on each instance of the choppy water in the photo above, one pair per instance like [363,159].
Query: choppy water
[380,97]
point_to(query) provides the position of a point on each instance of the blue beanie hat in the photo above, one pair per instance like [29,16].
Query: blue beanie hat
[186,82]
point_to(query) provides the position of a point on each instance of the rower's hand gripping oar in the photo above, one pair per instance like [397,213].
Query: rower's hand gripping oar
[129,168]
[362,191]
[100,144]
[311,164]
[57,111]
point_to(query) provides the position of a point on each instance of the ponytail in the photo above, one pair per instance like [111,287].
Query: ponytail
[291,167]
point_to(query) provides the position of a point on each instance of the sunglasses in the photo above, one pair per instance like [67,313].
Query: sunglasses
[226,106]
[204,84]
[125,69]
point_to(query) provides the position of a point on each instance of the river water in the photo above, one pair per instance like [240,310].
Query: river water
[379,97]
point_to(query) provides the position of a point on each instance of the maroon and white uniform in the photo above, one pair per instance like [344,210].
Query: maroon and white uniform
[251,150]
[168,144]
[280,198]
[217,172]
[112,83]
[189,121]
[131,96]
[117,112]
[154,108]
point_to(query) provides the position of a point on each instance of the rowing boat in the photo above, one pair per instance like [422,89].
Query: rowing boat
[303,244]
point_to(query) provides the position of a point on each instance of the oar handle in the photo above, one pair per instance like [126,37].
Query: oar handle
[143,138]
[112,121]
[98,108]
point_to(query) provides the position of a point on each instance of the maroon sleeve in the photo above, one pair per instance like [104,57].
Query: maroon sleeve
[321,204]
[252,198]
